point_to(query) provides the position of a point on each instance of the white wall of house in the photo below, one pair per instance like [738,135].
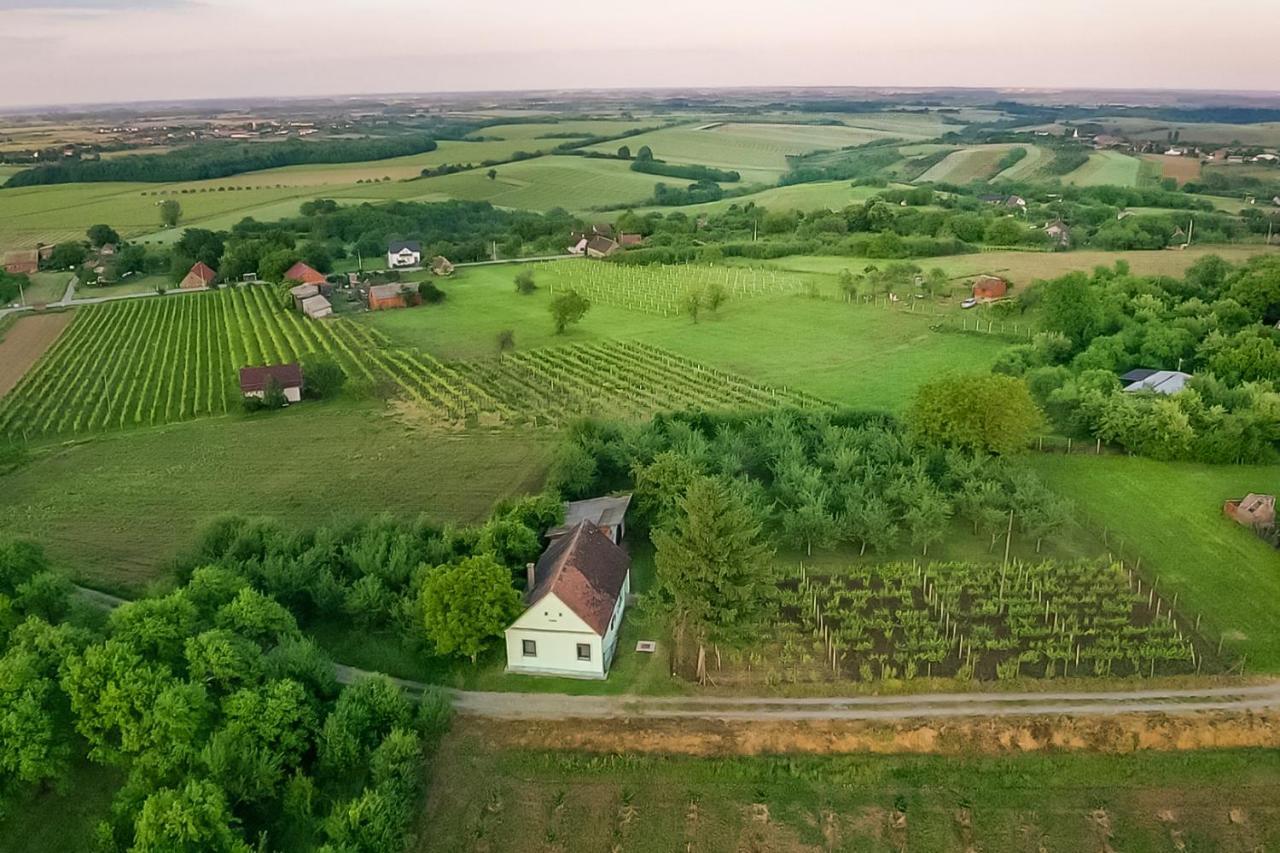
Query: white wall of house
[556,632]
[404,258]
[293,395]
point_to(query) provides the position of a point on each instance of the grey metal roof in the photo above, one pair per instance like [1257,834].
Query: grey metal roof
[602,512]
[1161,382]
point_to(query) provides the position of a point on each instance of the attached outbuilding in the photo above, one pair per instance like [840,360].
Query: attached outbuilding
[1159,381]
[577,596]
[385,296]
[254,380]
[441,266]
[608,514]
[301,293]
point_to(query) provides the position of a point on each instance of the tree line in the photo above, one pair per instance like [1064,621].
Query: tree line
[222,159]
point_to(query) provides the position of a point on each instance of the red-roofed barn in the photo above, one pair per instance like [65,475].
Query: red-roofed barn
[303,274]
[200,275]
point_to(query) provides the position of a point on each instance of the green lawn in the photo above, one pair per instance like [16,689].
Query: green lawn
[855,355]
[55,821]
[1171,515]
[484,797]
[47,287]
[114,510]
[822,195]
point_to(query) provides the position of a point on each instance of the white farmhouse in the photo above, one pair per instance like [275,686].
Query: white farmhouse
[404,253]
[577,594]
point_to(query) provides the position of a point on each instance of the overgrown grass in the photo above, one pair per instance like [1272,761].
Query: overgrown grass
[60,819]
[1170,514]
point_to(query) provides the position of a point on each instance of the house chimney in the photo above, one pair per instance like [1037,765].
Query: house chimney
[528,571]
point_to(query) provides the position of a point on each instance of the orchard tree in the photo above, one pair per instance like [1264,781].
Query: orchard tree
[568,308]
[692,304]
[983,413]
[101,235]
[716,296]
[193,818]
[808,522]
[467,604]
[170,212]
[712,568]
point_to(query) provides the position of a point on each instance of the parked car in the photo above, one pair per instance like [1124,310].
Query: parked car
[969,303]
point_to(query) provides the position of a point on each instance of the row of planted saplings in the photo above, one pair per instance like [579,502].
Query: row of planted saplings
[983,621]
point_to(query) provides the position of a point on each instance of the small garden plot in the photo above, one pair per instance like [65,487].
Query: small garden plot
[663,289]
[976,621]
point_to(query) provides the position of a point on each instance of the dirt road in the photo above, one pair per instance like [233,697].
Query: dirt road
[23,345]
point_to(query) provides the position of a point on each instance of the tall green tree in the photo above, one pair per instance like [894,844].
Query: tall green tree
[468,604]
[712,568]
[170,212]
[989,413]
[567,309]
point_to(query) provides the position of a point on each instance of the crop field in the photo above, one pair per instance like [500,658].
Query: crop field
[1170,514]
[821,195]
[1181,169]
[662,289]
[485,796]
[1106,167]
[23,343]
[974,163]
[968,621]
[758,151]
[1028,166]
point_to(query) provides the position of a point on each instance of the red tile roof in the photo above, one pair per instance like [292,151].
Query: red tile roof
[586,571]
[200,275]
[300,272]
[255,378]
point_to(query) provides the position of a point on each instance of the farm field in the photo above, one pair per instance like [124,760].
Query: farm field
[1024,267]
[484,796]
[1106,167]
[115,511]
[757,151]
[24,342]
[855,355]
[974,163]
[823,195]
[1027,167]
[1171,515]
[1181,169]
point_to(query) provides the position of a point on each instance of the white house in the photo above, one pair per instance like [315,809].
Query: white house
[404,253]
[577,594]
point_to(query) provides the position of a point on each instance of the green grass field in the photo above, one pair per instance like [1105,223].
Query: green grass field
[488,798]
[1028,167]
[823,195]
[114,510]
[1106,167]
[854,355]
[973,163]
[757,151]
[1171,515]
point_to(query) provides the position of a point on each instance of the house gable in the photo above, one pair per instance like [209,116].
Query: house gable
[549,613]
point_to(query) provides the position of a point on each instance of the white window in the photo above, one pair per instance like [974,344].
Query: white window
[530,648]
[584,651]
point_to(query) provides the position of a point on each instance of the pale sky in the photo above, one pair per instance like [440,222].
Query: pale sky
[92,51]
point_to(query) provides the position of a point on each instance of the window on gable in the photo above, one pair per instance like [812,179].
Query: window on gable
[530,648]
[584,651]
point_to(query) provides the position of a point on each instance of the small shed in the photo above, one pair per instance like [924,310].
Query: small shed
[301,293]
[627,240]
[200,276]
[441,266]
[1059,234]
[1253,510]
[608,514]
[317,307]
[385,296]
[988,288]
[254,380]
[303,274]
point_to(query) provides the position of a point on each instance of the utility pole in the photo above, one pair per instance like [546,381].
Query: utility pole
[1191,227]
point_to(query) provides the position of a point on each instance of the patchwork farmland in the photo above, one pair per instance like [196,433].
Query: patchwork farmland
[143,362]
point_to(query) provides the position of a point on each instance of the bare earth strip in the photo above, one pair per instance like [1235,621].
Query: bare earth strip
[23,345]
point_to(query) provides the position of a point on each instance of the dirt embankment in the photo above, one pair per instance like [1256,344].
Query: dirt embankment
[24,343]
[1006,735]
